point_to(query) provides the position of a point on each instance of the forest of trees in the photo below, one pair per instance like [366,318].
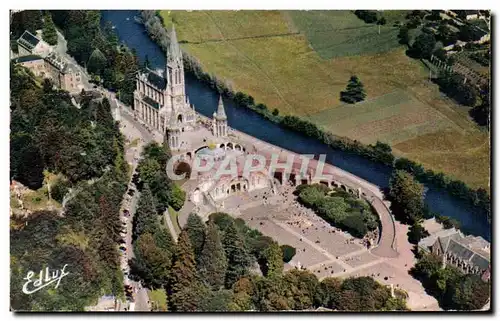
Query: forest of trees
[86,147]
[31,20]
[223,265]
[436,33]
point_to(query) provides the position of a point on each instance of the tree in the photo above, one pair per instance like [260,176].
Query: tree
[354,92]
[212,261]
[302,287]
[481,113]
[288,252]
[30,20]
[355,224]
[273,257]
[158,300]
[215,301]
[145,218]
[403,35]
[182,284]
[423,46]
[151,264]
[426,266]
[103,114]
[178,197]
[368,16]
[329,292]
[416,233]
[456,87]
[407,196]
[196,230]
[469,293]
[275,112]
[243,292]
[49,32]
[164,240]
[97,62]
[236,254]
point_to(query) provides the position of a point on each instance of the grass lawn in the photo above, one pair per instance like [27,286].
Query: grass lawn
[38,200]
[261,53]
[134,143]
[392,118]
[173,217]
[158,298]
[352,35]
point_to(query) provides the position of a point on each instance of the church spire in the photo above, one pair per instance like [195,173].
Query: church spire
[221,113]
[174,50]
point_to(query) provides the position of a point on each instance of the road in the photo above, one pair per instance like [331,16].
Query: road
[131,129]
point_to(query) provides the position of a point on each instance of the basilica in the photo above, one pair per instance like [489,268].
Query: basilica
[160,98]
[160,101]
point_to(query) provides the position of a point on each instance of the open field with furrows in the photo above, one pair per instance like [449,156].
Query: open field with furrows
[283,72]
[393,118]
[352,36]
[262,54]
[462,155]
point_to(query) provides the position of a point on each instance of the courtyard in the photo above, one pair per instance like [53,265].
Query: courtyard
[325,250]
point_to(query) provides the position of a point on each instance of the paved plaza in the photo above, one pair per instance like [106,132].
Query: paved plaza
[326,250]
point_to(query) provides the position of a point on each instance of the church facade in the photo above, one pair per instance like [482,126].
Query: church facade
[160,99]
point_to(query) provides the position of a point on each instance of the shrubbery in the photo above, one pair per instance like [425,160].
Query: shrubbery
[288,253]
[339,208]
[452,289]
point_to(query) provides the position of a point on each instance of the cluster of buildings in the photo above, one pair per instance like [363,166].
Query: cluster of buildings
[470,254]
[44,62]
[160,101]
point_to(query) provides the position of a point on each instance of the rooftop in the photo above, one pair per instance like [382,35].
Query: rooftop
[28,40]
[27,58]
[151,102]
[156,80]
[469,248]
[56,61]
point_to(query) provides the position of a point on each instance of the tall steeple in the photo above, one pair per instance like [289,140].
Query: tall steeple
[175,72]
[174,51]
[219,123]
[221,113]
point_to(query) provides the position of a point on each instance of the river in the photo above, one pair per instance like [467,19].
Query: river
[205,101]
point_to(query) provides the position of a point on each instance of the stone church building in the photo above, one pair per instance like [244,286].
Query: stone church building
[160,99]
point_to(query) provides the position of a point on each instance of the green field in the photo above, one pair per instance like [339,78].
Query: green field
[392,118]
[299,61]
[352,35]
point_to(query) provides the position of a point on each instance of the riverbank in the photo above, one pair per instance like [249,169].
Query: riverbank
[251,52]
[379,152]
[205,99]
